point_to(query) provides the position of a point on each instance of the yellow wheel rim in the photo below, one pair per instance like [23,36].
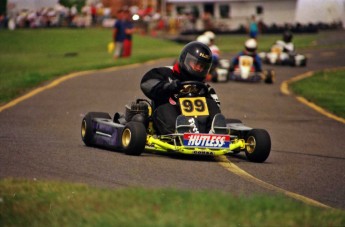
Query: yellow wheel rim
[251,144]
[126,137]
[83,128]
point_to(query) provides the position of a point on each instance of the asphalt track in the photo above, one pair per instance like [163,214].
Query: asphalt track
[40,138]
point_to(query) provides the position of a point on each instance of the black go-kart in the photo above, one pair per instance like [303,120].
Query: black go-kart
[133,132]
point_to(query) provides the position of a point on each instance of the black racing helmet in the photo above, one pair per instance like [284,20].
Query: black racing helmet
[287,36]
[195,61]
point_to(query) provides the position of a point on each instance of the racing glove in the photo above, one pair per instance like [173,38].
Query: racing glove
[173,86]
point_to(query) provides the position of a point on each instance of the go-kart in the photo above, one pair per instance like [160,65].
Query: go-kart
[277,56]
[134,132]
[245,71]
[220,73]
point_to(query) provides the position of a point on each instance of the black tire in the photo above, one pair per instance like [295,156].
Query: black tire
[87,131]
[269,77]
[133,138]
[304,62]
[258,145]
[214,77]
[292,61]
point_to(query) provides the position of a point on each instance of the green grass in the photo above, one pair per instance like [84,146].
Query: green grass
[30,57]
[38,203]
[326,89]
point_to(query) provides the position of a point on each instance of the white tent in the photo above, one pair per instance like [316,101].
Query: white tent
[314,11]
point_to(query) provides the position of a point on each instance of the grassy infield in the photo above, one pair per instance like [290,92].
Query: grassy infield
[28,58]
[326,89]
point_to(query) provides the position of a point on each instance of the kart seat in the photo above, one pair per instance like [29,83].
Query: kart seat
[182,124]
[219,125]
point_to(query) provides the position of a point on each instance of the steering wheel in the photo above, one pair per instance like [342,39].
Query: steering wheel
[193,89]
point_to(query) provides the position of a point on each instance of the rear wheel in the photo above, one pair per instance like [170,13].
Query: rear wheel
[134,138]
[87,130]
[304,62]
[269,77]
[258,145]
[214,76]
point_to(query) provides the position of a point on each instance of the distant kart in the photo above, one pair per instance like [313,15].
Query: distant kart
[134,132]
[221,72]
[245,71]
[277,56]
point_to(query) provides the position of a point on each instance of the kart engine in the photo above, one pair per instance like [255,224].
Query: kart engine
[137,111]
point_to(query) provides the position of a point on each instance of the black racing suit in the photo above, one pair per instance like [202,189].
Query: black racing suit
[153,85]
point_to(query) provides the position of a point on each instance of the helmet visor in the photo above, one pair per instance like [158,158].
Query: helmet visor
[197,66]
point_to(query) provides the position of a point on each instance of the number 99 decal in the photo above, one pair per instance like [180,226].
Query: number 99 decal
[194,106]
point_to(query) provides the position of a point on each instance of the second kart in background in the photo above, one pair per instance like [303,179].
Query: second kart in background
[246,66]
[283,52]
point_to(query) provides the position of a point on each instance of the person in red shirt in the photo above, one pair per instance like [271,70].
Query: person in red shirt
[119,34]
[129,30]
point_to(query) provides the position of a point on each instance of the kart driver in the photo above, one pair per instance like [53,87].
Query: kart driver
[213,47]
[250,50]
[286,44]
[160,84]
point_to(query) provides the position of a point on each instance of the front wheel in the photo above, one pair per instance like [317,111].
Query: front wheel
[258,145]
[134,138]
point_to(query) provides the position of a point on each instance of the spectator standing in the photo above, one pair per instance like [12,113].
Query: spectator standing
[129,30]
[253,28]
[2,21]
[207,20]
[93,14]
[119,34]
[72,14]
[12,24]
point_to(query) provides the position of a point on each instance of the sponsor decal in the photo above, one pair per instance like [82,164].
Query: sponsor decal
[204,55]
[193,124]
[203,152]
[206,140]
